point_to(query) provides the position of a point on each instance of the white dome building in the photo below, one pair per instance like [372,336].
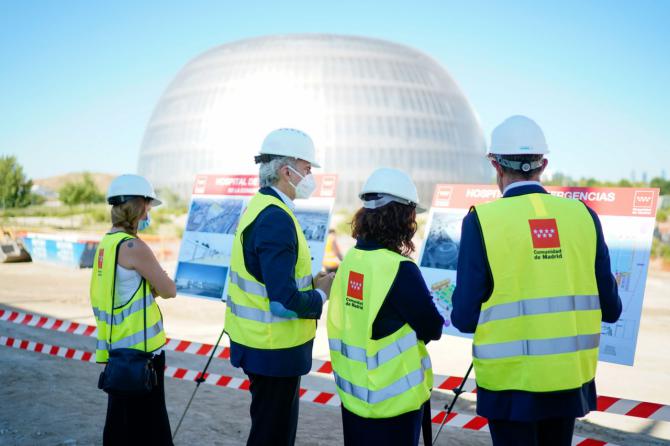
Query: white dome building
[366,103]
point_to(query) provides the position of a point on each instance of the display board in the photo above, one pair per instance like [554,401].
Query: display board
[627,216]
[217,202]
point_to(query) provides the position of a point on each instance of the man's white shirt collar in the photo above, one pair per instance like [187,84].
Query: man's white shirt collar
[288,202]
[520,184]
[285,198]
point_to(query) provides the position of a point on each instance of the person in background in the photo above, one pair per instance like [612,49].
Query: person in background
[125,281]
[534,284]
[273,300]
[332,255]
[380,317]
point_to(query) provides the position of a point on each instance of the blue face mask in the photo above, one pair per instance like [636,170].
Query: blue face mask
[144,224]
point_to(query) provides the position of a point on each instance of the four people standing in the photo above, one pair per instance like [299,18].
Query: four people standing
[534,302]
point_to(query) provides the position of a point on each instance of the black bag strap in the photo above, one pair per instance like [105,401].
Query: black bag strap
[111,304]
[144,304]
[427,425]
[143,284]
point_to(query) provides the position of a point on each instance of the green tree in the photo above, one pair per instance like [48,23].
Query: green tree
[81,192]
[14,186]
[590,182]
[559,179]
[36,200]
[662,184]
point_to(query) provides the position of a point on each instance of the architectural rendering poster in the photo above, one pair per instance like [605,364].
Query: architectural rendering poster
[216,205]
[627,216]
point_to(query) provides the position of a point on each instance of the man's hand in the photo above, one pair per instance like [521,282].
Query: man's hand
[324,281]
[318,276]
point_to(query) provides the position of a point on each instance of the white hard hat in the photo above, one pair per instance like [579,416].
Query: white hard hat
[129,186]
[392,185]
[518,135]
[289,142]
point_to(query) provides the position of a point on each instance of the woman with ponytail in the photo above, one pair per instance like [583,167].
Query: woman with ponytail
[126,280]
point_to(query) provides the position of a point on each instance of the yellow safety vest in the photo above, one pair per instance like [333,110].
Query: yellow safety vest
[330,259]
[540,329]
[122,326]
[249,321]
[375,378]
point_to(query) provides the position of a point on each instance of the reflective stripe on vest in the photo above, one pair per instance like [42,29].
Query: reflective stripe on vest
[249,286]
[118,318]
[134,339]
[534,347]
[546,305]
[399,387]
[382,356]
[254,314]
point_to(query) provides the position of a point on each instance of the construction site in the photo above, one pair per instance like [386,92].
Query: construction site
[334,223]
[47,339]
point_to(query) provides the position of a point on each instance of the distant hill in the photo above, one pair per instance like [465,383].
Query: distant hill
[102,180]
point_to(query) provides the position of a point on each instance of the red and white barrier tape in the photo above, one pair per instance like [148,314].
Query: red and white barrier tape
[195,348]
[620,406]
[455,420]
[48,323]
[54,350]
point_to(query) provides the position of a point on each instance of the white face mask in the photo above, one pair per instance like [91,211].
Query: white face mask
[305,187]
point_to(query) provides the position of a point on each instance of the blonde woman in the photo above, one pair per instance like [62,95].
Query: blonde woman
[125,281]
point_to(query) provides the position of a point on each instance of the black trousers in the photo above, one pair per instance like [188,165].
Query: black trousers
[274,410]
[401,430]
[549,432]
[139,421]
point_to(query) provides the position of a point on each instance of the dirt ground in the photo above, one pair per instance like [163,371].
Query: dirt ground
[47,400]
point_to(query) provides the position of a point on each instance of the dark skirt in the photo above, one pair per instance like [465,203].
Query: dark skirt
[402,430]
[139,421]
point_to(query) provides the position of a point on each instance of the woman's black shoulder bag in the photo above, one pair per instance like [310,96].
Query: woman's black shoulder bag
[129,372]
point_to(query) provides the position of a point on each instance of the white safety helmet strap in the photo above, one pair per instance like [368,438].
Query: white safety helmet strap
[120,199]
[522,166]
[383,200]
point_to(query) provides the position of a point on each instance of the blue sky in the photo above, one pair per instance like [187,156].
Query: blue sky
[79,79]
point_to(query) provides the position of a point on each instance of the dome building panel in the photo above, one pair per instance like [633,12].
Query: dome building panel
[365,102]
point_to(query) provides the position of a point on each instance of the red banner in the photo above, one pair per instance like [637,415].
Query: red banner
[621,201]
[247,185]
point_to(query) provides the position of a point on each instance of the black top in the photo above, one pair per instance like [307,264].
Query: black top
[408,301]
